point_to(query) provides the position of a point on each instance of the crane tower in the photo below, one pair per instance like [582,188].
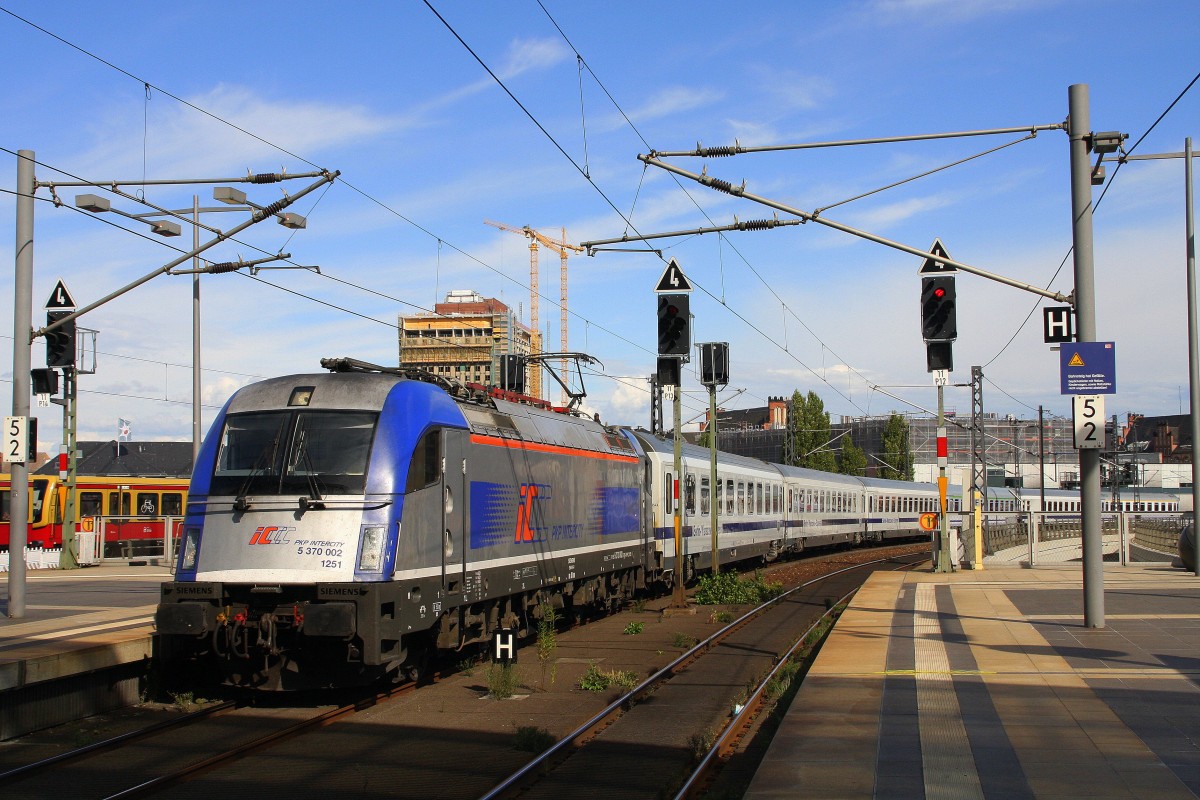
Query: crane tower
[564,250]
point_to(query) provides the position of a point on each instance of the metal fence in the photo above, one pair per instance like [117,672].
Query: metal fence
[1039,538]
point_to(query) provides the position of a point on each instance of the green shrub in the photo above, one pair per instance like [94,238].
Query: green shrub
[726,588]
[634,628]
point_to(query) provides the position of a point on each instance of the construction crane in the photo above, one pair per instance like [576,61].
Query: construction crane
[564,250]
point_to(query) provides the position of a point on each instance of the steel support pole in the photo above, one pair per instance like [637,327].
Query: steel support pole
[712,474]
[1193,325]
[1079,129]
[196,396]
[943,548]
[679,599]
[1042,458]
[18,535]
[69,557]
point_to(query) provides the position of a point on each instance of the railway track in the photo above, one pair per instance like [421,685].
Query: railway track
[636,746]
[450,740]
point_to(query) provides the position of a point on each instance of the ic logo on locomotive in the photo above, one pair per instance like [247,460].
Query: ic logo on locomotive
[271,534]
[525,530]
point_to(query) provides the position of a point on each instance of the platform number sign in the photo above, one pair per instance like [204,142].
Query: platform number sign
[1089,421]
[16,441]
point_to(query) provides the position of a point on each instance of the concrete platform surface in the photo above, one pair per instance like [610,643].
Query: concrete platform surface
[987,684]
[78,621]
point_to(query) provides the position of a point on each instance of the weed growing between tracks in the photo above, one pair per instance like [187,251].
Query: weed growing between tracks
[531,739]
[596,680]
[547,643]
[503,680]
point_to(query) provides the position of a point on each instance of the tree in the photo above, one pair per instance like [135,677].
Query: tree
[811,433]
[896,456]
[854,460]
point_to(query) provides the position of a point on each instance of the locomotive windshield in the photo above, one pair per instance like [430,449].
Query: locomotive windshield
[309,452]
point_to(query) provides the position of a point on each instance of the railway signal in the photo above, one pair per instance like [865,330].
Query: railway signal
[938,318]
[674,325]
[60,342]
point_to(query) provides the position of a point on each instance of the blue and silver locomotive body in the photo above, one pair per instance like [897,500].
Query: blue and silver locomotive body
[342,526]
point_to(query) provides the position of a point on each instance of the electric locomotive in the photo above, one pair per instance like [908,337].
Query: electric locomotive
[341,527]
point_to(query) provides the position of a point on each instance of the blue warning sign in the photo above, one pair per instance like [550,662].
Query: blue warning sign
[1088,367]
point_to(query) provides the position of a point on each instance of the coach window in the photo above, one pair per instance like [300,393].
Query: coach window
[728,497]
[758,493]
[172,504]
[147,504]
[689,492]
[118,504]
[704,496]
[741,498]
[425,467]
[91,504]
[669,495]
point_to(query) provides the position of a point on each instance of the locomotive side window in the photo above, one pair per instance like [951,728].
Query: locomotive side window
[669,495]
[426,465]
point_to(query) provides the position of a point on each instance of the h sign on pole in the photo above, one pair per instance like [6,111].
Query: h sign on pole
[1058,324]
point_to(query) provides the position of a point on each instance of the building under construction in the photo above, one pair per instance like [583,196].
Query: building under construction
[464,338]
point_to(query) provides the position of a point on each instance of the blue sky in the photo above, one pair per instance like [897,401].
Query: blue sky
[430,145]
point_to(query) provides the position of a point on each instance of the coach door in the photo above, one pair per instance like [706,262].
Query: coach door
[454,511]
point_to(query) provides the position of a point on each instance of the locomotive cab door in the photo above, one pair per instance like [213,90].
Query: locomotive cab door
[454,511]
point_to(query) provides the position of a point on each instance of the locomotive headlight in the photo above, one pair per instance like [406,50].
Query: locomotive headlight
[191,548]
[370,554]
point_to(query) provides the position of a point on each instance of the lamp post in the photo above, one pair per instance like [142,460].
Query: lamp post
[234,200]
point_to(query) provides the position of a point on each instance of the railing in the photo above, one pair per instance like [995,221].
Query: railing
[113,539]
[1040,538]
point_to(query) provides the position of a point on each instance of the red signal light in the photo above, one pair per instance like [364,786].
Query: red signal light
[939,293]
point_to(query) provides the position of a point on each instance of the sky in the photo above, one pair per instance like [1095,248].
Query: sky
[440,115]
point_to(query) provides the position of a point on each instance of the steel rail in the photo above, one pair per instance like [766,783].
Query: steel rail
[27,770]
[154,785]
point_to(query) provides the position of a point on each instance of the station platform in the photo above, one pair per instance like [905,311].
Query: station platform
[987,684]
[81,646]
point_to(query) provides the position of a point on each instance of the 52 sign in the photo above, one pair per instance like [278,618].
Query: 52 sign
[17,436]
[1088,413]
